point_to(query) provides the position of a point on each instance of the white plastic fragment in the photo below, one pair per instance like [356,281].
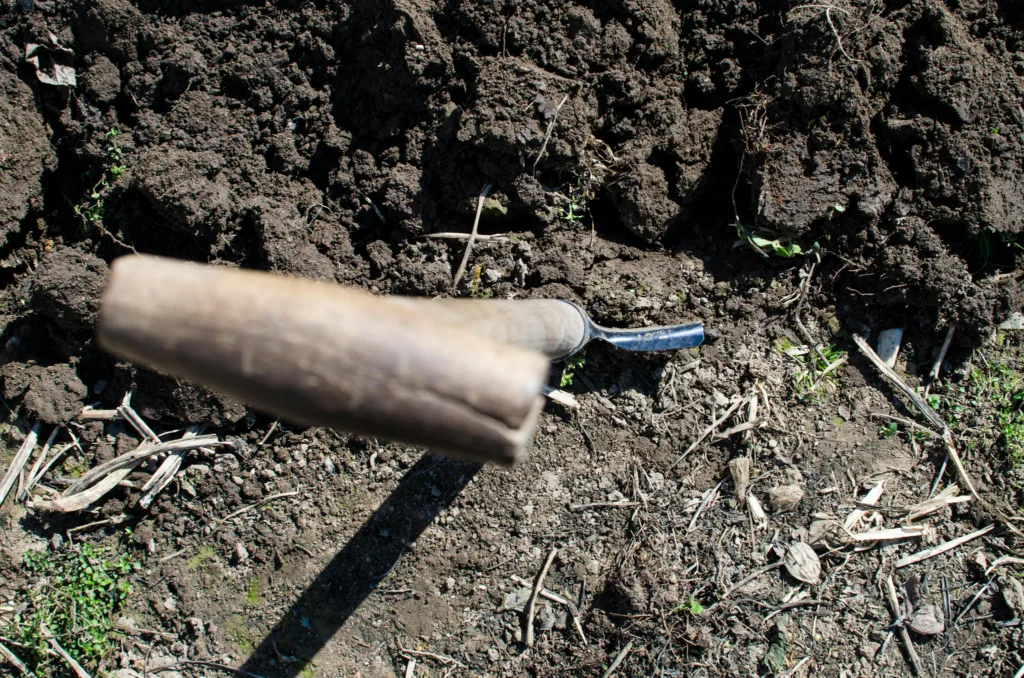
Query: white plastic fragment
[888,347]
[1014,322]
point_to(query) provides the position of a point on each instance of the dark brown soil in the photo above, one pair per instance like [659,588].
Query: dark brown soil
[629,145]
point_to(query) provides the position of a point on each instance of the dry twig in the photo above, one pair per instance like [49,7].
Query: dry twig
[574,611]
[1004,560]
[931,415]
[23,491]
[709,497]
[261,502]
[531,603]
[943,547]
[19,461]
[75,666]
[708,431]
[13,660]
[894,604]
[105,477]
[199,662]
[619,658]
[472,235]
[430,655]
[934,373]
[547,134]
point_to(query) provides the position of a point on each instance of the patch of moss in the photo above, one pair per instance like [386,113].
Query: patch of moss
[254,592]
[201,559]
[238,631]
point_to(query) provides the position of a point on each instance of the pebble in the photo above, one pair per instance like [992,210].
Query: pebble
[241,554]
[330,467]
[170,605]
[449,584]
[785,497]
[237,480]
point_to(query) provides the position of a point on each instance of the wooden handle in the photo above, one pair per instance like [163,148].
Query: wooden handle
[555,328]
[325,355]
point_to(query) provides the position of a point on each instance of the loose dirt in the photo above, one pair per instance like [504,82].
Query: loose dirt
[641,155]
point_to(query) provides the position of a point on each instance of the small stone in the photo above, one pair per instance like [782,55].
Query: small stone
[449,584]
[824,529]
[802,563]
[196,625]
[151,547]
[56,541]
[785,497]
[927,620]
[330,467]
[1013,595]
[492,276]
[493,654]
[237,480]
[720,399]
[241,554]
[170,605]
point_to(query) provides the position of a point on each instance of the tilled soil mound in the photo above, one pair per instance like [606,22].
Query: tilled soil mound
[639,154]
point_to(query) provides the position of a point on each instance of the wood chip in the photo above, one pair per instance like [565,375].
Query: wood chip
[871,498]
[757,513]
[562,397]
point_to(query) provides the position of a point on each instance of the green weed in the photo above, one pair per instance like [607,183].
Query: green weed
[810,385]
[73,597]
[888,430]
[692,606]
[992,395]
[766,242]
[91,208]
[574,363]
[577,204]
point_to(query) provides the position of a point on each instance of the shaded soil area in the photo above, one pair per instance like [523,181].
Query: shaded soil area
[649,161]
